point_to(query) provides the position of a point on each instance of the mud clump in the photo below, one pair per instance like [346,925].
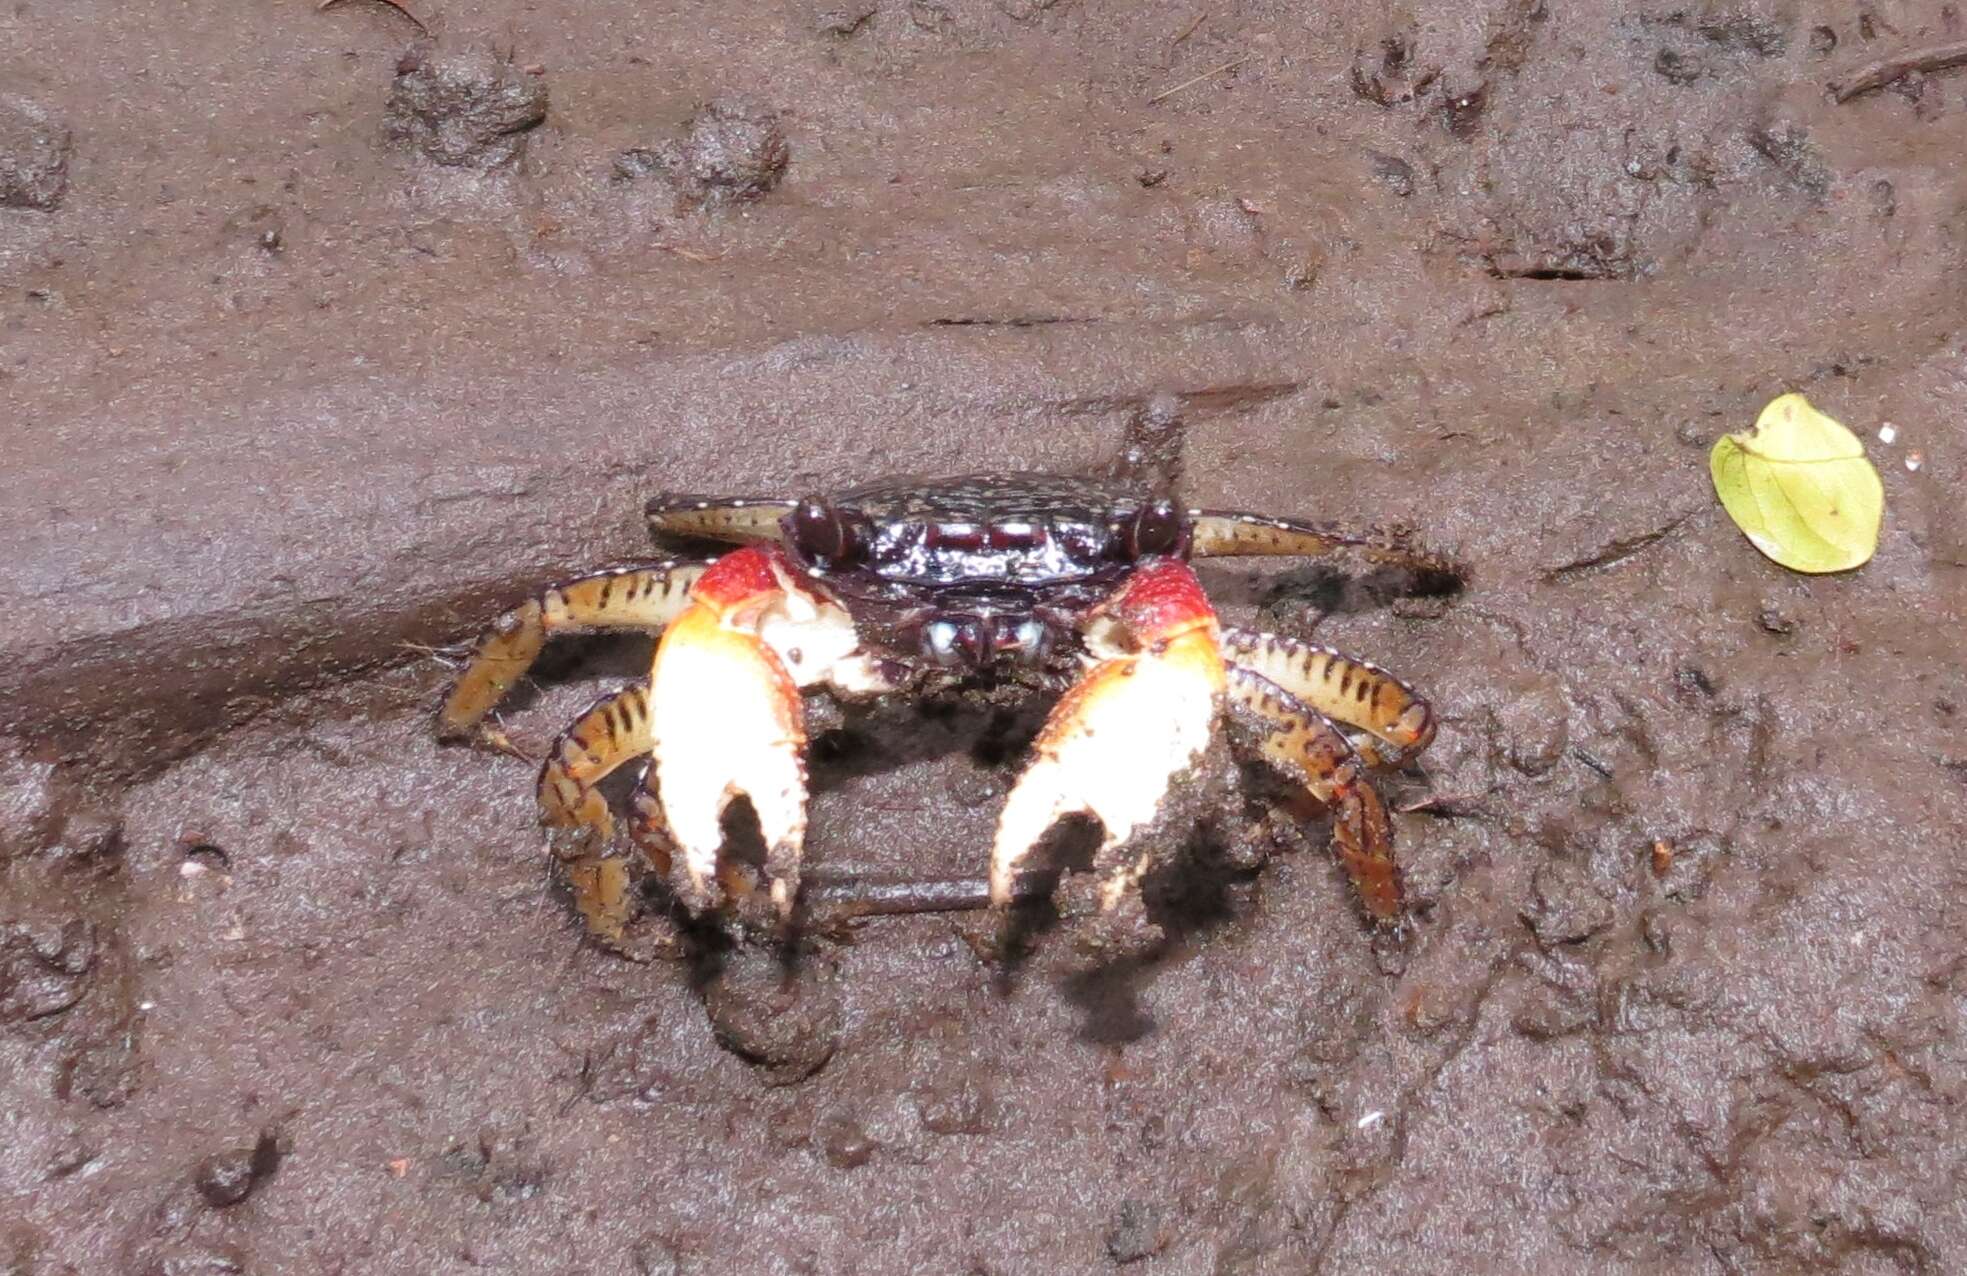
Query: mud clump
[229,1177]
[957,1103]
[1396,174]
[463,110]
[843,1141]
[44,967]
[1788,147]
[732,149]
[845,20]
[787,1021]
[34,152]
[30,815]
[1746,33]
[1136,1233]
[196,1259]
[44,817]
[1679,68]
[656,1258]
[1566,909]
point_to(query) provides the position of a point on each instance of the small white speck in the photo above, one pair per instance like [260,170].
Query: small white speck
[1371,1119]
[1857,939]
[192,868]
[146,1006]
[1914,460]
[1887,432]
[1632,168]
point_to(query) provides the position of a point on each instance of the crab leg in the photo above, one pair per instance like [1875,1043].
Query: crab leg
[1141,715]
[1304,746]
[741,520]
[728,719]
[637,598]
[1395,724]
[613,730]
[1222,533]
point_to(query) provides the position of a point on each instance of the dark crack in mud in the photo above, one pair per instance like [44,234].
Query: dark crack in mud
[304,377]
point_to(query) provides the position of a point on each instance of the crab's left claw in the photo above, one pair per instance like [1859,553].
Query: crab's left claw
[728,721]
[1140,716]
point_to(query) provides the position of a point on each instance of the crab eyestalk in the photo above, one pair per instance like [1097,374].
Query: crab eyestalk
[1141,715]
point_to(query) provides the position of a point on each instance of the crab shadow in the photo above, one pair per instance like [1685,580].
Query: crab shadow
[993,725]
[1282,598]
[604,660]
[1103,964]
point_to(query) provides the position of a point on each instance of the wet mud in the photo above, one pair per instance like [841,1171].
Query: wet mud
[327,334]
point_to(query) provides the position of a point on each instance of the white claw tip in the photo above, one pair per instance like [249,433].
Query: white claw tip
[1000,891]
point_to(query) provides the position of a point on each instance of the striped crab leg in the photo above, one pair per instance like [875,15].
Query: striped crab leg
[1229,534]
[1304,746]
[1391,722]
[609,733]
[644,599]
[613,731]
[1140,715]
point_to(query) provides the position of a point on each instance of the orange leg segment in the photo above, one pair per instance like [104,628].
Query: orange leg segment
[1394,723]
[1304,746]
[634,598]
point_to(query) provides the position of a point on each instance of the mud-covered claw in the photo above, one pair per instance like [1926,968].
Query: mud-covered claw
[1141,715]
[728,722]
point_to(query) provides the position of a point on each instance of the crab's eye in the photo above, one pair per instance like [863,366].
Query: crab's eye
[821,532]
[1156,529]
[1034,641]
[942,642]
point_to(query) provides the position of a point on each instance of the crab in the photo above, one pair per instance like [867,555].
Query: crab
[907,587]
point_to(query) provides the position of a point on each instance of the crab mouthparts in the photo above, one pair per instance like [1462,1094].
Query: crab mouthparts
[979,640]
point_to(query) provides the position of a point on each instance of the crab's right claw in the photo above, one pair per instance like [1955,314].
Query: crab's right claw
[728,720]
[1139,717]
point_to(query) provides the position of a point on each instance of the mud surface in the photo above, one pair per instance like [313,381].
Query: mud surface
[286,401]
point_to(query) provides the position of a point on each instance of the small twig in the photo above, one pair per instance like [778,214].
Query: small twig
[688,255]
[1230,65]
[1873,76]
[847,898]
[397,5]
[1619,550]
[1448,806]
[1591,762]
[491,732]
[1190,29]
[449,657]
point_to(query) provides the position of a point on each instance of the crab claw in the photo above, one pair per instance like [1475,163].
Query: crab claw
[728,720]
[1141,715]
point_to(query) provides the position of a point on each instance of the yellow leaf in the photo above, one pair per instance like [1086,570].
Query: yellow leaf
[1799,486]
